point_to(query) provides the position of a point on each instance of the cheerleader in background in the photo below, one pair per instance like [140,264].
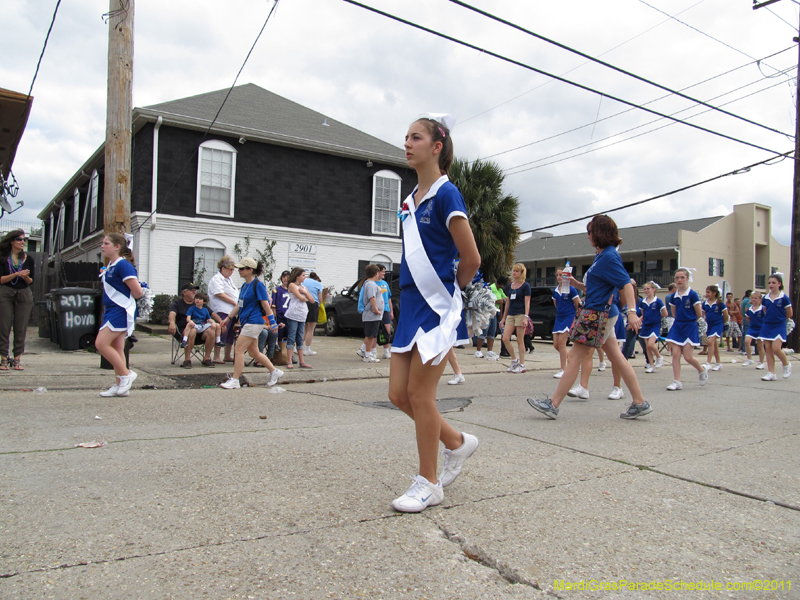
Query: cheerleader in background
[716,315]
[653,310]
[684,335]
[777,309]
[566,306]
[755,314]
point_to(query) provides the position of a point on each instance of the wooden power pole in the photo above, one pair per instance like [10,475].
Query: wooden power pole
[119,109]
[792,279]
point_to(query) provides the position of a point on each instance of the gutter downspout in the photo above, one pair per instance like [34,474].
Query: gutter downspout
[153,201]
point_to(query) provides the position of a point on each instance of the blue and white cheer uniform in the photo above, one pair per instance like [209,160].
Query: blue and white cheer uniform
[756,320]
[714,318]
[651,317]
[565,309]
[774,324]
[684,328]
[430,305]
[118,302]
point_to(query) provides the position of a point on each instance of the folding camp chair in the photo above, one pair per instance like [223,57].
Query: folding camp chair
[178,352]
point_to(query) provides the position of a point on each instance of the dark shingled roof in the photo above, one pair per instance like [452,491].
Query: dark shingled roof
[634,239]
[258,114]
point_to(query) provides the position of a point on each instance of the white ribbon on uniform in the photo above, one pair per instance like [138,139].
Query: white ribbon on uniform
[436,343]
[120,299]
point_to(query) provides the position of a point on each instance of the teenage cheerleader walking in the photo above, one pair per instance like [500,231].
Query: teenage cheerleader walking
[120,290]
[566,305]
[435,231]
[778,308]
[653,310]
[755,314]
[684,334]
[716,315]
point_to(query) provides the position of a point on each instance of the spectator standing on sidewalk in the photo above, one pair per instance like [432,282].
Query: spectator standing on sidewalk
[388,310]
[372,316]
[314,285]
[16,299]
[296,314]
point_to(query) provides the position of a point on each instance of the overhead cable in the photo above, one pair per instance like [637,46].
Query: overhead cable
[556,77]
[607,65]
[683,189]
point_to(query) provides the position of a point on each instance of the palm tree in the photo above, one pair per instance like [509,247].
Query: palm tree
[492,214]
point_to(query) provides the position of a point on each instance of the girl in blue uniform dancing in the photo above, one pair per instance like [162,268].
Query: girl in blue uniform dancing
[716,314]
[120,290]
[684,335]
[777,309]
[653,310]
[435,231]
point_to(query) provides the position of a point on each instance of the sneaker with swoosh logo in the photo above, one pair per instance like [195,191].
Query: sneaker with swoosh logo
[419,496]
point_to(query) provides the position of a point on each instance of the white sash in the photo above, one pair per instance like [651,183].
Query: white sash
[437,342]
[120,299]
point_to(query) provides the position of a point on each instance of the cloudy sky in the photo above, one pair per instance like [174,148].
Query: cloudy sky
[378,75]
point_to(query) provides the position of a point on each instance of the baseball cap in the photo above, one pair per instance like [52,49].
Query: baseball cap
[189,286]
[246,262]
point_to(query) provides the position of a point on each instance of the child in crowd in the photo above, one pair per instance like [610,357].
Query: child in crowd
[653,310]
[716,315]
[777,309]
[566,306]
[684,335]
[755,317]
[198,317]
[372,316]
[734,316]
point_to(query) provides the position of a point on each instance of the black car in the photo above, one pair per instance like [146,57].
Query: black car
[343,312]
[542,312]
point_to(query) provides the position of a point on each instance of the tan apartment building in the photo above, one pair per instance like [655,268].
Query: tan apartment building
[737,251]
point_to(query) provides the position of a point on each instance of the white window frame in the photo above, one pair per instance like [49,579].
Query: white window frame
[76,211]
[93,193]
[52,232]
[385,174]
[61,218]
[216,145]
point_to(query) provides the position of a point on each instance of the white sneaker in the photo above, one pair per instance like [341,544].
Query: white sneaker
[361,353]
[492,355]
[747,363]
[674,386]
[649,369]
[457,378]
[659,362]
[309,352]
[374,353]
[769,377]
[387,353]
[579,392]
[703,377]
[125,383]
[707,366]
[616,393]
[231,384]
[717,367]
[601,366]
[787,371]
[478,354]
[369,358]
[559,374]
[274,376]
[419,496]
[760,366]
[111,392]
[454,459]
[514,363]
[519,368]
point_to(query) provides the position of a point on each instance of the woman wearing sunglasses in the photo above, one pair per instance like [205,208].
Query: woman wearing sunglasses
[16,299]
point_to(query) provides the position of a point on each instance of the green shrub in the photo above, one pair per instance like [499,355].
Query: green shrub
[160,312]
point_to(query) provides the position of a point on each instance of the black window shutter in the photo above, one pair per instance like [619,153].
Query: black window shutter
[362,265]
[185,265]
[721,267]
[710,266]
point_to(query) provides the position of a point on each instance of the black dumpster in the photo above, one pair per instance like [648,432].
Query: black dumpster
[77,316]
[43,318]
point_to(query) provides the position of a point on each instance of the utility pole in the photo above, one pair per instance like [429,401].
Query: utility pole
[119,109]
[793,279]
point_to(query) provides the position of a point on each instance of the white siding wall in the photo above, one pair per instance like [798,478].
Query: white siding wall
[336,259]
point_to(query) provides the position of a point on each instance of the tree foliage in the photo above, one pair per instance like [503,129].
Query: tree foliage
[493,215]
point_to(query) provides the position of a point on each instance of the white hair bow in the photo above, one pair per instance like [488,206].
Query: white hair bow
[448,121]
[779,274]
[655,285]
[690,269]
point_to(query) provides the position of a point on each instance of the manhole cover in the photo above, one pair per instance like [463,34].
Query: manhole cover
[444,405]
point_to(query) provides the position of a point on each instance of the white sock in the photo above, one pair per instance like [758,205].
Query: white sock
[218,339]
[185,339]
[363,347]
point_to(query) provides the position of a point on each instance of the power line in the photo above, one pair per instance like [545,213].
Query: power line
[632,129]
[605,64]
[205,134]
[683,189]
[461,123]
[627,110]
[556,77]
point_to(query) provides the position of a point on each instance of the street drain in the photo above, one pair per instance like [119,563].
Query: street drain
[444,404]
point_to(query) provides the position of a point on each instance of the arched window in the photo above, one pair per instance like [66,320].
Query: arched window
[216,177]
[385,202]
[206,256]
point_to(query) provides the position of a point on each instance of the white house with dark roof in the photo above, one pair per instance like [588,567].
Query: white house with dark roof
[737,249]
[269,168]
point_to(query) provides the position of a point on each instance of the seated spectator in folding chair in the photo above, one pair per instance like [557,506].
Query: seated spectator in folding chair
[177,323]
[200,319]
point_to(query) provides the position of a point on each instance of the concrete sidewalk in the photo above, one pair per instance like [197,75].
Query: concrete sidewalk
[194,494]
